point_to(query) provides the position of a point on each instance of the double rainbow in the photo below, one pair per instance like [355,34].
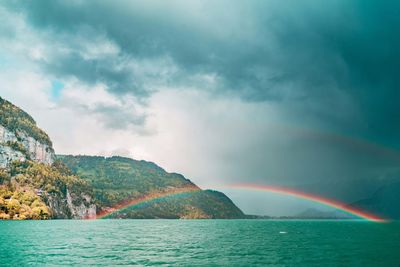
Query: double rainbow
[188,190]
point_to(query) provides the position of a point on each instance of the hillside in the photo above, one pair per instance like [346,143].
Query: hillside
[33,185]
[118,179]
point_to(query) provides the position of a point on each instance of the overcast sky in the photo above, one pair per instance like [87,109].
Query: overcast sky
[296,93]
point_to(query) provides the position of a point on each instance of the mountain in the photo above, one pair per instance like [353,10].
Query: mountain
[318,214]
[37,184]
[117,179]
[33,185]
[384,202]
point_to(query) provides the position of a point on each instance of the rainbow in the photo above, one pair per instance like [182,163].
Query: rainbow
[311,197]
[185,191]
[148,198]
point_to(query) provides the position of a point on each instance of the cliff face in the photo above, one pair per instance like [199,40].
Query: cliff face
[81,206]
[32,184]
[71,205]
[21,146]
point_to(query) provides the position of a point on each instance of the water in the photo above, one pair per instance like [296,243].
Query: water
[199,243]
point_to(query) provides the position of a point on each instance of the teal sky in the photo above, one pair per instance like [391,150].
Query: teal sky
[56,89]
[296,93]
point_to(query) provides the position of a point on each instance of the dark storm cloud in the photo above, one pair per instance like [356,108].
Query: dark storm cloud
[311,54]
[327,60]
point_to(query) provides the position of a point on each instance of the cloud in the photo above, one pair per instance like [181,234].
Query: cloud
[112,112]
[312,56]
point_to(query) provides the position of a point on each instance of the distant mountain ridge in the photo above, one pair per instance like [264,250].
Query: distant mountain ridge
[384,202]
[318,214]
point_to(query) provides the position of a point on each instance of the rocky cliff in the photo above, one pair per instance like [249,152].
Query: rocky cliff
[20,146]
[32,184]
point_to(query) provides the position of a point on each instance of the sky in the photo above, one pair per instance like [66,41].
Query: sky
[301,94]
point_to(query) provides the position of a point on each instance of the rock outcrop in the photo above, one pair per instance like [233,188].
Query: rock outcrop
[20,146]
[81,206]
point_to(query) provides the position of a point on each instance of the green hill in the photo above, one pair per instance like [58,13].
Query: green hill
[117,179]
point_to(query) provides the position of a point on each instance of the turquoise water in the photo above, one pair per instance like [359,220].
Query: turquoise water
[199,243]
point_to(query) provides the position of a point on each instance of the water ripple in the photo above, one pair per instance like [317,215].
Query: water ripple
[199,243]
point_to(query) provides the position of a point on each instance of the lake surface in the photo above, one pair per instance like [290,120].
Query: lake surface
[199,243]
